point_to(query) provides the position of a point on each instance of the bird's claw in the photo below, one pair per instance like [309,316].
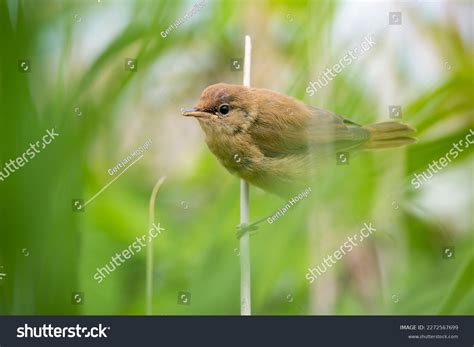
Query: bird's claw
[244,228]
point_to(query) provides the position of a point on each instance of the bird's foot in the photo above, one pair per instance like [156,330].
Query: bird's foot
[244,228]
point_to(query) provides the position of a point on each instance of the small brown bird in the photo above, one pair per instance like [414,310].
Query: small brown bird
[276,142]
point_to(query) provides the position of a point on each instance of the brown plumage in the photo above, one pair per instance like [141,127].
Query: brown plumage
[277,142]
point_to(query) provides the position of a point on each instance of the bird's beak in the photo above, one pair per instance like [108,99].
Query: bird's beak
[194,112]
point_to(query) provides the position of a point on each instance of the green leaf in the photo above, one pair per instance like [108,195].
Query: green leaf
[463,285]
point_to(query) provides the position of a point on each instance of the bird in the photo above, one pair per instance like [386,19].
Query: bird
[276,142]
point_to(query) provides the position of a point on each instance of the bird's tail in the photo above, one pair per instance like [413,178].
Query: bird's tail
[388,134]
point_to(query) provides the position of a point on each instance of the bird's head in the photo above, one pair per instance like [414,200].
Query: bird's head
[224,108]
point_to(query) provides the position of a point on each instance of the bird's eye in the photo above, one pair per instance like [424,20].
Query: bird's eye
[224,109]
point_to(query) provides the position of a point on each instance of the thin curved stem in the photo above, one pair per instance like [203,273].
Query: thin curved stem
[149,252]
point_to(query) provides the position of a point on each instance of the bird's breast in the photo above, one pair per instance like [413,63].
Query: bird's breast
[238,154]
[235,152]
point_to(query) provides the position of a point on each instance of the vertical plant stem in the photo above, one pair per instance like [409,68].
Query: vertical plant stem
[245,298]
[149,251]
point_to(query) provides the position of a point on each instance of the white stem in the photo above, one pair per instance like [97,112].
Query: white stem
[149,251]
[245,298]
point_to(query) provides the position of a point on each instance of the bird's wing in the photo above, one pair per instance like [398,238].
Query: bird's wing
[314,130]
[329,130]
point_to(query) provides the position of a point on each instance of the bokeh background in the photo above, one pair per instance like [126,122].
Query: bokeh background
[78,84]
